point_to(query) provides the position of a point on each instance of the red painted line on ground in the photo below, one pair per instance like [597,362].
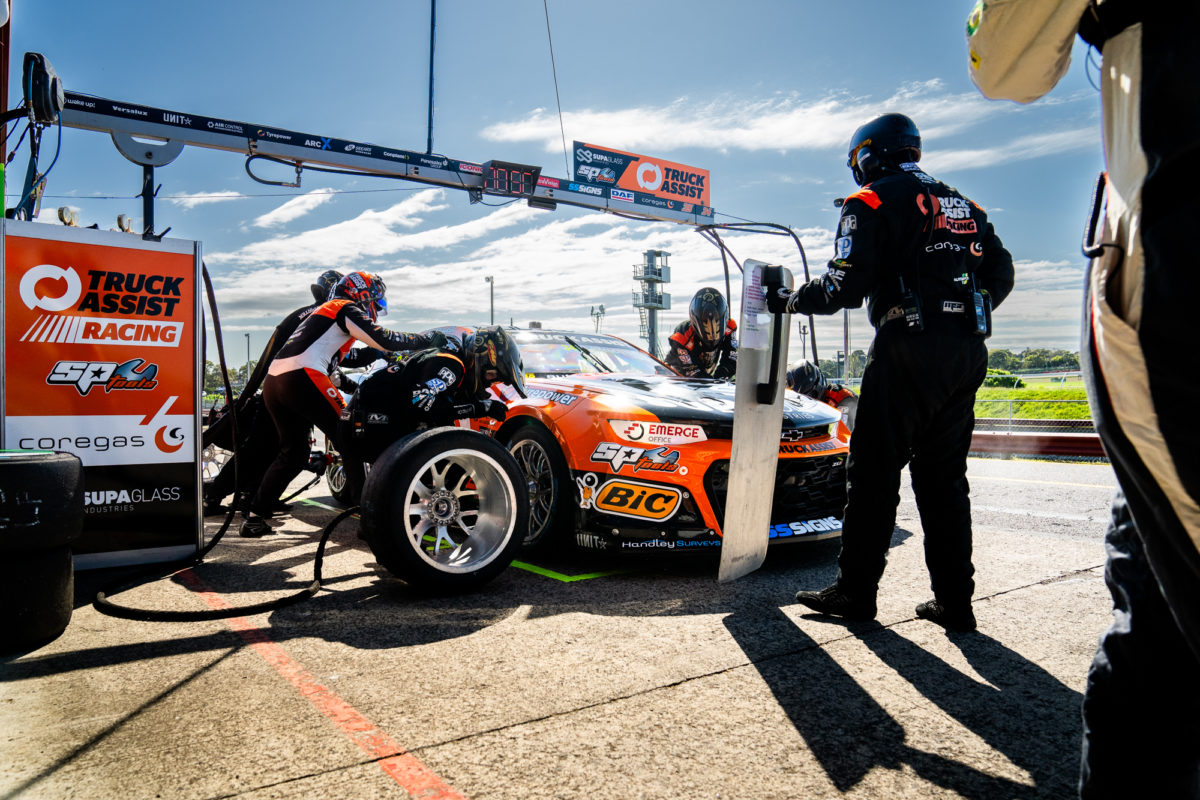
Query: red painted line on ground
[396,762]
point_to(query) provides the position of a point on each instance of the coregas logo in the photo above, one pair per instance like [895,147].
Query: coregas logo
[36,294]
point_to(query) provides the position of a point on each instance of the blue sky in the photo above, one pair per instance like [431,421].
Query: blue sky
[764,95]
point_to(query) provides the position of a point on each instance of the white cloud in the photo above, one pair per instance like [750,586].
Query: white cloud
[293,209]
[783,122]
[372,234]
[203,198]
[1026,147]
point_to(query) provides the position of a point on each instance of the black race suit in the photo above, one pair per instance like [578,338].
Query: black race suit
[918,392]
[685,356]
[425,388]
[300,394]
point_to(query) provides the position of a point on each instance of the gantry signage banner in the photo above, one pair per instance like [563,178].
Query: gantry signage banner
[643,180]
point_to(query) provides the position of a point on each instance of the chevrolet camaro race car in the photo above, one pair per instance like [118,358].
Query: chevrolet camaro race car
[624,454]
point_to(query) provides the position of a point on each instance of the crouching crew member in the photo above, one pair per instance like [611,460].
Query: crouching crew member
[805,378]
[436,386]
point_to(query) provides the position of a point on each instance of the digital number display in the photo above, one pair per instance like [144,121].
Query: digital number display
[510,180]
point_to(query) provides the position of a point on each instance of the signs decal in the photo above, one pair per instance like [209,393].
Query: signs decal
[629,175]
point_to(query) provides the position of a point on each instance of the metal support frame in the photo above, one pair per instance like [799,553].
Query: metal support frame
[298,149]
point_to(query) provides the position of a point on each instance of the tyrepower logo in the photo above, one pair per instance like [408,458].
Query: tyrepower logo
[50,288]
[637,500]
[85,375]
[658,433]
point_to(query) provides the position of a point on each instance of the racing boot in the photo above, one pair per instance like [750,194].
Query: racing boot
[254,527]
[834,601]
[958,618]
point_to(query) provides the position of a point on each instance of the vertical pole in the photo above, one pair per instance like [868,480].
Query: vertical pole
[147,200]
[247,359]
[5,39]
[491,299]
[846,343]
[432,25]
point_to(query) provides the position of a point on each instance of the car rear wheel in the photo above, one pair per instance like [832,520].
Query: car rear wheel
[339,487]
[446,509]
[549,484]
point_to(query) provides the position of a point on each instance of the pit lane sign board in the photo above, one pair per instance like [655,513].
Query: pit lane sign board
[633,178]
[112,116]
[101,355]
[746,528]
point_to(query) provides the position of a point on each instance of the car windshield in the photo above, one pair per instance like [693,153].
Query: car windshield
[549,353]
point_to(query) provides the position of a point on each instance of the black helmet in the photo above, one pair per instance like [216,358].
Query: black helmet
[882,144]
[804,377]
[365,290]
[709,314]
[491,356]
[324,285]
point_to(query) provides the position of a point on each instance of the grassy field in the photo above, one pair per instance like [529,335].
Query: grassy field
[1033,402]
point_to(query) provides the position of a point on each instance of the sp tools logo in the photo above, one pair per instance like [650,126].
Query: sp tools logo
[50,288]
[84,375]
[618,456]
[638,500]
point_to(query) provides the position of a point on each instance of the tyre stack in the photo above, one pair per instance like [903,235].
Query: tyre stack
[41,514]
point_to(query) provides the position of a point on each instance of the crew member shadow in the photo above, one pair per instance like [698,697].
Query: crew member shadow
[1023,712]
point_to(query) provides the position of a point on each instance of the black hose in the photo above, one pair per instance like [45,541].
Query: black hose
[104,605]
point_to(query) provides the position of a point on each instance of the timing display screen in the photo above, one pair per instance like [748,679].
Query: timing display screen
[510,180]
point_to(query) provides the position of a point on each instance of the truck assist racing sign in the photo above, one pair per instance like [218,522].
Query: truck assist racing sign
[101,359]
[679,186]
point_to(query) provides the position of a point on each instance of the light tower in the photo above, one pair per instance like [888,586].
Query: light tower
[650,298]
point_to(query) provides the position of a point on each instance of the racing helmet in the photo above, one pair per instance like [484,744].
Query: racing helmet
[709,314]
[882,144]
[324,285]
[491,356]
[804,377]
[364,290]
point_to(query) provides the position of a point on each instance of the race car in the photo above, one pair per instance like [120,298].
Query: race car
[624,454]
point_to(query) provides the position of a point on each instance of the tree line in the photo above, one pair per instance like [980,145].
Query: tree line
[1033,359]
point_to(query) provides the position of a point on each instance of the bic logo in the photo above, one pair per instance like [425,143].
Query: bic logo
[638,500]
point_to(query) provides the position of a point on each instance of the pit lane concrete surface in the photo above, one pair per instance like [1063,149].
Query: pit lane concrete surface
[577,677]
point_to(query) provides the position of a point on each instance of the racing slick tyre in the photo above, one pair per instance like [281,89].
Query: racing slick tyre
[549,483]
[339,488]
[41,514]
[446,509]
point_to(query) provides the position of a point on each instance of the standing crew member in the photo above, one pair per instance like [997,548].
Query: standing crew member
[300,393]
[259,443]
[703,345]
[1141,709]
[930,267]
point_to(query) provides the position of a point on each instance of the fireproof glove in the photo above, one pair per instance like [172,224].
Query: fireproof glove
[778,299]
[491,408]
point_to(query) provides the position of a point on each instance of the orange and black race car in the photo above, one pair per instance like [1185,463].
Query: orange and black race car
[624,454]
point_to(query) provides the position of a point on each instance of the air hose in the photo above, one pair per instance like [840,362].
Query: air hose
[104,605]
